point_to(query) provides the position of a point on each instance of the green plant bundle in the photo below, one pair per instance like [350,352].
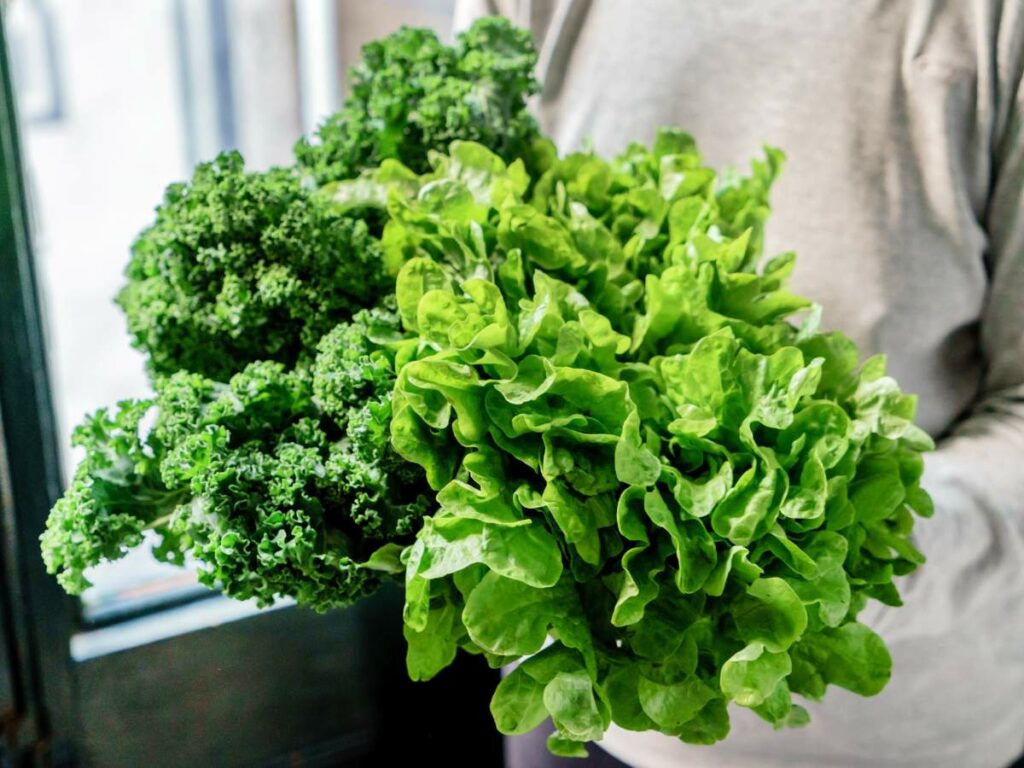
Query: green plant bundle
[654,491]
[265,312]
[565,399]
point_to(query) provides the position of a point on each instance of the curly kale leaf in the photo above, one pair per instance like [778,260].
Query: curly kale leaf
[269,491]
[245,266]
[412,94]
[353,377]
[115,495]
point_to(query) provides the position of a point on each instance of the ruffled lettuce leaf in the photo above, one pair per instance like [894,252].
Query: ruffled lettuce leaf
[656,489]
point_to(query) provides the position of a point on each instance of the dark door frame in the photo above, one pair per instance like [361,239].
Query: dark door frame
[38,617]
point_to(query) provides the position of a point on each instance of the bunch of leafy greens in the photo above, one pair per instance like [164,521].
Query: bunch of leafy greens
[654,491]
[265,310]
[411,94]
[275,482]
[564,397]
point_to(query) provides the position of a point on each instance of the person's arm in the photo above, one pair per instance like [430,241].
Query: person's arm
[976,475]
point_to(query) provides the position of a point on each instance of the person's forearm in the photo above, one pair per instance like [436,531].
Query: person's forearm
[976,477]
[983,457]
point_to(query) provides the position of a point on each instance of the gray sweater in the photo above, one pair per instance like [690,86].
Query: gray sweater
[903,195]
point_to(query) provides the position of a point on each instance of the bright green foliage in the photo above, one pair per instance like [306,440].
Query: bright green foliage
[245,266]
[636,454]
[411,94]
[277,482]
[566,398]
[116,494]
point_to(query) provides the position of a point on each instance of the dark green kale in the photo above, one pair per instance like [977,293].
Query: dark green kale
[412,94]
[269,460]
[352,383]
[245,266]
[115,495]
[271,490]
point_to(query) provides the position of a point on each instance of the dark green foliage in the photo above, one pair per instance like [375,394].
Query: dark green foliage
[270,461]
[412,94]
[269,492]
[245,266]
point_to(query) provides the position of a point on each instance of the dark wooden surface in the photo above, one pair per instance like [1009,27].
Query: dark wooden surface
[244,693]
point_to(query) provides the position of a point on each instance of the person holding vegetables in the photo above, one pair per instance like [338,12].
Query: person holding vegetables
[569,405]
[904,196]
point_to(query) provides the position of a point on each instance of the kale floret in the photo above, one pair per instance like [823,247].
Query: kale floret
[267,490]
[245,266]
[412,94]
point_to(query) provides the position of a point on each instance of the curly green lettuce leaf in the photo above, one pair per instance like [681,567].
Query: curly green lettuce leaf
[610,369]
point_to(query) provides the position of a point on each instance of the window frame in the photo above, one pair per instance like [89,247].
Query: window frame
[303,688]
[30,465]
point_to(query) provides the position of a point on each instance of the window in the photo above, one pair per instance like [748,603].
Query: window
[117,99]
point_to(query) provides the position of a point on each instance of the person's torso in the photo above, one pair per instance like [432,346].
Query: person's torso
[886,111]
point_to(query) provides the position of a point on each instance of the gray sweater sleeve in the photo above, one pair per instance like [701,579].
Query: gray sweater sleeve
[976,475]
[978,470]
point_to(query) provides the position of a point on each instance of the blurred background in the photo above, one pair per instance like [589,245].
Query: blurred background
[115,99]
[119,98]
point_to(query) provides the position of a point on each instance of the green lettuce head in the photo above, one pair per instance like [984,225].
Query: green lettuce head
[656,491]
